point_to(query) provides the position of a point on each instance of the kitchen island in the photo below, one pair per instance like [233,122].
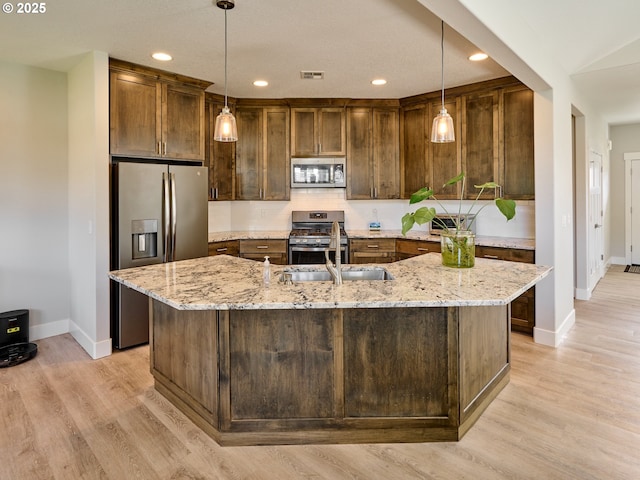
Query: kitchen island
[410,359]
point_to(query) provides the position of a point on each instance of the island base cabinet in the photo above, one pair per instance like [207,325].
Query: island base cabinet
[267,377]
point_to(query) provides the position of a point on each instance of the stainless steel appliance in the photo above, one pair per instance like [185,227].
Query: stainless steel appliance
[310,236]
[443,221]
[325,172]
[158,214]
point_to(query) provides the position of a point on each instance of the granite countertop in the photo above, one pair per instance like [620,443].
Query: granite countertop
[223,282]
[486,241]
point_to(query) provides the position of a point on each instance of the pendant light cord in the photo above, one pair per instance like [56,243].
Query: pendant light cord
[225,59]
[441,58]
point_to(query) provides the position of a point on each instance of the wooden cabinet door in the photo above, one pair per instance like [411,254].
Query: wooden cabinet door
[276,154]
[445,158]
[386,155]
[304,132]
[183,122]
[517,164]
[219,157]
[135,110]
[331,131]
[318,132]
[249,154]
[480,141]
[414,172]
[359,154]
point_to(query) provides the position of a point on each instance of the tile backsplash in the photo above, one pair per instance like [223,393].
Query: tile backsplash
[249,215]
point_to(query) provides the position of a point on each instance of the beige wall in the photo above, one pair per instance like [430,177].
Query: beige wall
[34,269]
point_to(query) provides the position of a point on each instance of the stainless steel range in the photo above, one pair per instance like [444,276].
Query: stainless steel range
[310,236]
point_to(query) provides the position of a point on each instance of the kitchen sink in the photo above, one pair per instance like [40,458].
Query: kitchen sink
[376,273]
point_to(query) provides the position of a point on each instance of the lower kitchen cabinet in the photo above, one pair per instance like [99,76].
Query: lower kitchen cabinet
[410,248]
[258,249]
[523,308]
[376,250]
[227,247]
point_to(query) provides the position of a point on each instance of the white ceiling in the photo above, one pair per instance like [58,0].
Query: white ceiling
[352,41]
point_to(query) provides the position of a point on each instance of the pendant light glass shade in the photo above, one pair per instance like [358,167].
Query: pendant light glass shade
[442,129]
[225,129]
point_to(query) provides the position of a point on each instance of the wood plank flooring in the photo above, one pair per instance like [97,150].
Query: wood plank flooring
[568,413]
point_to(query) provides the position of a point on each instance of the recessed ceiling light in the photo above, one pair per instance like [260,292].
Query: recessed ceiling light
[378,81]
[478,57]
[261,83]
[163,57]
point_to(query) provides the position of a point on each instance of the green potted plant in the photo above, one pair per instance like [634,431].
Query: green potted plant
[457,244]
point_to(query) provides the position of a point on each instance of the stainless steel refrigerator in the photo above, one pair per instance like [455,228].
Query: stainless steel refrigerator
[158,214]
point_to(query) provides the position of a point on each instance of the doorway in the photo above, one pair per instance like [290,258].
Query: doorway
[595,226]
[632,208]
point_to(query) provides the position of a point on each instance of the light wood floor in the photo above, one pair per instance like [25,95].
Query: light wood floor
[568,413]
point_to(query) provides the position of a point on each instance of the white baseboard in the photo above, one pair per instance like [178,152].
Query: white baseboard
[46,330]
[94,349]
[618,260]
[554,339]
[582,293]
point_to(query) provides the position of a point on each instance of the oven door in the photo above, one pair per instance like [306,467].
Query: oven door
[314,255]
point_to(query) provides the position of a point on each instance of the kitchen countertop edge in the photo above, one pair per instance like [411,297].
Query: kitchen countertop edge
[481,240]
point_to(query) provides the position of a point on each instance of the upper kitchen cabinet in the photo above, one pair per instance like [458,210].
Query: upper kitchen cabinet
[479,140]
[262,153]
[414,144]
[318,132]
[444,159]
[219,156]
[155,113]
[373,160]
[493,124]
[516,145]
[425,163]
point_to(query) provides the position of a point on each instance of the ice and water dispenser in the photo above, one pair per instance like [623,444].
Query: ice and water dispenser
[144,237]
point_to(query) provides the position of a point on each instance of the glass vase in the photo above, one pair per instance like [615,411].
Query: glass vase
[458,249]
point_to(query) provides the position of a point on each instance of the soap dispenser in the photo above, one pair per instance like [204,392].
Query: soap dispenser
[266,271]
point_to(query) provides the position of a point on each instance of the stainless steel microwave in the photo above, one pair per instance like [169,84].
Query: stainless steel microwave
[443,222]
[327,172]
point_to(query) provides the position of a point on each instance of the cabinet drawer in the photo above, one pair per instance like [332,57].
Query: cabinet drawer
[229,247]
[509,254]
[416,247]
[263,246]
[373,245]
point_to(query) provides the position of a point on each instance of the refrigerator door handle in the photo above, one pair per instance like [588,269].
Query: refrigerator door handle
[174,214]
[165,217]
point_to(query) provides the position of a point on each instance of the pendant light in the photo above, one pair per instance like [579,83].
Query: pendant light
[442,129]
[225,130]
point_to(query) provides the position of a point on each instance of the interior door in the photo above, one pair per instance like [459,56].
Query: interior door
[635,212]
[596,232]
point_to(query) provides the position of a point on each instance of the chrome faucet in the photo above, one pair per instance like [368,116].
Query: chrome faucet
[334,243]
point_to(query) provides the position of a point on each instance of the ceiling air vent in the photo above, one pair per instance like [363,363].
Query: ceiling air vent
[311,75]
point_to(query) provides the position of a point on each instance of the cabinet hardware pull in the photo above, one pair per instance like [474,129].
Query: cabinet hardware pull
[421,249]
[164,148]
[493,257]
[262,246]
[221,249]
[373,246]
[159,148]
